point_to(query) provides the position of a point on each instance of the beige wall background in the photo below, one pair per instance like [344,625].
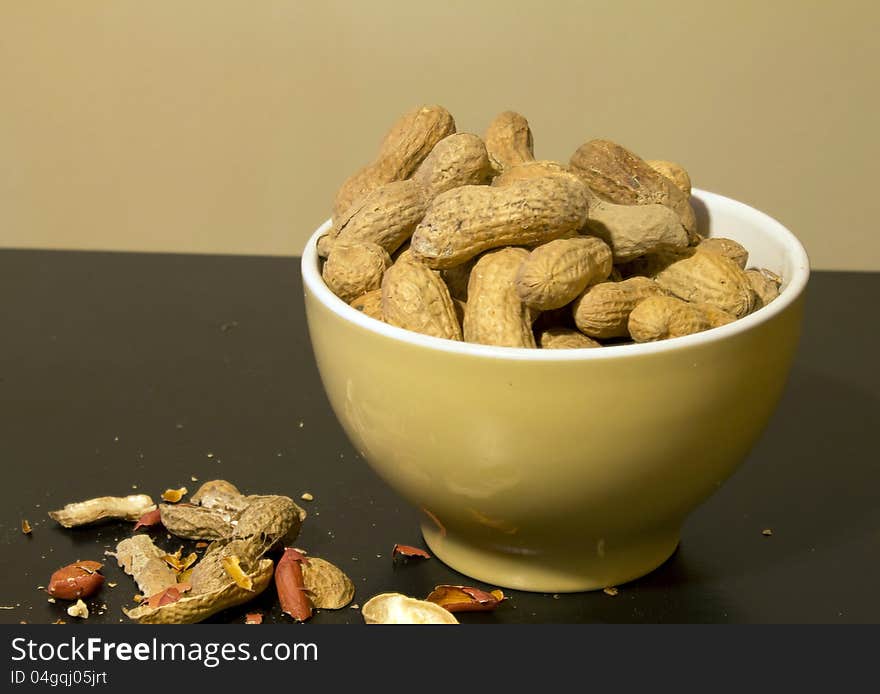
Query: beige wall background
[225,127]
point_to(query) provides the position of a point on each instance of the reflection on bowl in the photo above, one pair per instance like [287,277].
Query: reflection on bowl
[561,470]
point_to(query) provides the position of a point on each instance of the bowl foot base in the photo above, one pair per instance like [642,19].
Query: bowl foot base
[565,571]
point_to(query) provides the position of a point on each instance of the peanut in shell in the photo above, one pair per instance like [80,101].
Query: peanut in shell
[509,141]
[674,172]
[528,170]
[457,160]
[765,285]
[635,230]
[355,268]
[663,317]
[602,311]
[556,272]
[386,216]
[617,175]
[707,277]
[457,278]
[495,314]
[370,304]
[416,298]
[565,338]
[466,221]
[410,140]
[726,247]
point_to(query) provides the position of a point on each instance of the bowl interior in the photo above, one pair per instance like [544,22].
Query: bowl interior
[770,244]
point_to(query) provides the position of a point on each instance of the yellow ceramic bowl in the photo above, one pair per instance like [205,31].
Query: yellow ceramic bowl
[561,470]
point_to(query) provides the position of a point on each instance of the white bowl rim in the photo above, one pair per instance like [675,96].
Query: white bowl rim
[792,290]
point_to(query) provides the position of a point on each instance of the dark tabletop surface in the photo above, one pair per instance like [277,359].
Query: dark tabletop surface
[136,369]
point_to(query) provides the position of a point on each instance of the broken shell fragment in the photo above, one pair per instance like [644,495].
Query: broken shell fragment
[394,608]
[149,519]
[174,495]
[178,562]
[145,563]
[409,552]
[328,586]
[129,508]
[233,569]
[465,598]
[291,586]
[169,595]
[78,609]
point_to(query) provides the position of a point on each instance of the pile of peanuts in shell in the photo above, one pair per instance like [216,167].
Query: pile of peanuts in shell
[472,239]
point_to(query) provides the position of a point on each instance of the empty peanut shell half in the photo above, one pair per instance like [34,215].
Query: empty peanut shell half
[394,608]
[129,508]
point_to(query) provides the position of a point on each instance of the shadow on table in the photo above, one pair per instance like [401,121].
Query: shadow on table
[813,477]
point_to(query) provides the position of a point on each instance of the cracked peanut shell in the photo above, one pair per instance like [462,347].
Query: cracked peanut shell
[196,522]
[221,495]
[196,607]
[268,519]
[210,574]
